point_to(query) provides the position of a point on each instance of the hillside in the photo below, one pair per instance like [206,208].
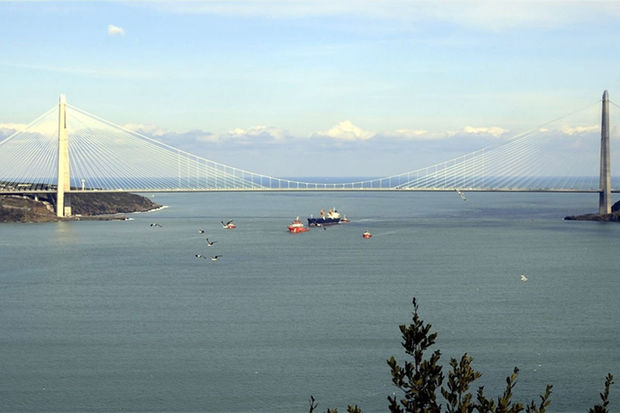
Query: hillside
[84,206]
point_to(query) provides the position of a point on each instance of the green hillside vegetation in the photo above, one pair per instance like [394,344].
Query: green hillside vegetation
[26,209]
[110,203]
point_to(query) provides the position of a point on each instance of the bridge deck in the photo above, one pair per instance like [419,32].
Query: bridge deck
[190,190]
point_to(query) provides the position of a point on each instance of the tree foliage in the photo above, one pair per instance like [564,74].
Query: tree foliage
[602,408]
[420,380]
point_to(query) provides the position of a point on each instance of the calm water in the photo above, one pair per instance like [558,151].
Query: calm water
[119,316]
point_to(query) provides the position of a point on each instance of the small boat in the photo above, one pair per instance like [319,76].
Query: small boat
[229,225]
[297,226]
[345,220]
[366,234]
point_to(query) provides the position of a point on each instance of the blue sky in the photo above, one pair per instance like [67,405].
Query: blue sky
[352,88]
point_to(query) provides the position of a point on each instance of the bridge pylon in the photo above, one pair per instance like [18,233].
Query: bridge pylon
[63,183]
[604,200]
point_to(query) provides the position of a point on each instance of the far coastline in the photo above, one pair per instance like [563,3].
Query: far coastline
[613,217]
[85,206]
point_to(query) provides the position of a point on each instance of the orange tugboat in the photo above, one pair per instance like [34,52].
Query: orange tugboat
[366,234]
[297,226]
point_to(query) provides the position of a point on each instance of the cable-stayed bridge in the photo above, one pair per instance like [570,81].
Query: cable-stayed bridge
[68,150]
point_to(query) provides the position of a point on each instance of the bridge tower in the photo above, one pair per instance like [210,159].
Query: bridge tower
[63,206]
[604,200]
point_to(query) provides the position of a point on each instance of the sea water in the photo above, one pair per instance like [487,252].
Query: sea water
[121,316]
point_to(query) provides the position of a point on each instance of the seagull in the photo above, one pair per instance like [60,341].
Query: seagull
[215,257]
[523,277]
[155,224]
[201,231]
[228,225]
[210,243]
[200,256]
[461,194]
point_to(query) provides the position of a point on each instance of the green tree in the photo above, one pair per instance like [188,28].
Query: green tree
[458,399]
[420,380]
[602,408]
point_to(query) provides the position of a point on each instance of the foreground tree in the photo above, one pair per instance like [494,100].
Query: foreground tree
[421,379]
[418,379]
[602,408]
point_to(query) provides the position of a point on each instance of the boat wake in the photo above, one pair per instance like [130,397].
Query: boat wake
[151,210]
[381,234]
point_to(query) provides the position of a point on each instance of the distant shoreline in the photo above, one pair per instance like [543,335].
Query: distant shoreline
[85,207]
[613,217]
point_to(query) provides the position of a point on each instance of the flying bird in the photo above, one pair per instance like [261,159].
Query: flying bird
[201,231]
[200,256]
[155,224]
[215,257]
[210,243]
[523,277]
[228,225]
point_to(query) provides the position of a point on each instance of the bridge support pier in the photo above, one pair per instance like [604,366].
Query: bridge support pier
[63,183]
[604,200]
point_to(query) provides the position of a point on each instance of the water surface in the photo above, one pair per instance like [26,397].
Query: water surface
[120,316]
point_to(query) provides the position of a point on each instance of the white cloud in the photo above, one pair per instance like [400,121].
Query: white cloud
[577,130]
[258,131]
[484,14]
[182,140]
[255,135]
[47,127]
[492,130]
[13,126]
[115,30]
[347,131]
[8,129]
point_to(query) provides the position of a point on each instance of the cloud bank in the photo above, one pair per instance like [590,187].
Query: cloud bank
[350,135]
[337,151]
[484,14]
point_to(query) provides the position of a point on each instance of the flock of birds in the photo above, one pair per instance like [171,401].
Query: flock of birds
[227,225]
[231,225]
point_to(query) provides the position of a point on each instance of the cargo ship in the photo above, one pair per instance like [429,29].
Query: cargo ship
[330,218]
